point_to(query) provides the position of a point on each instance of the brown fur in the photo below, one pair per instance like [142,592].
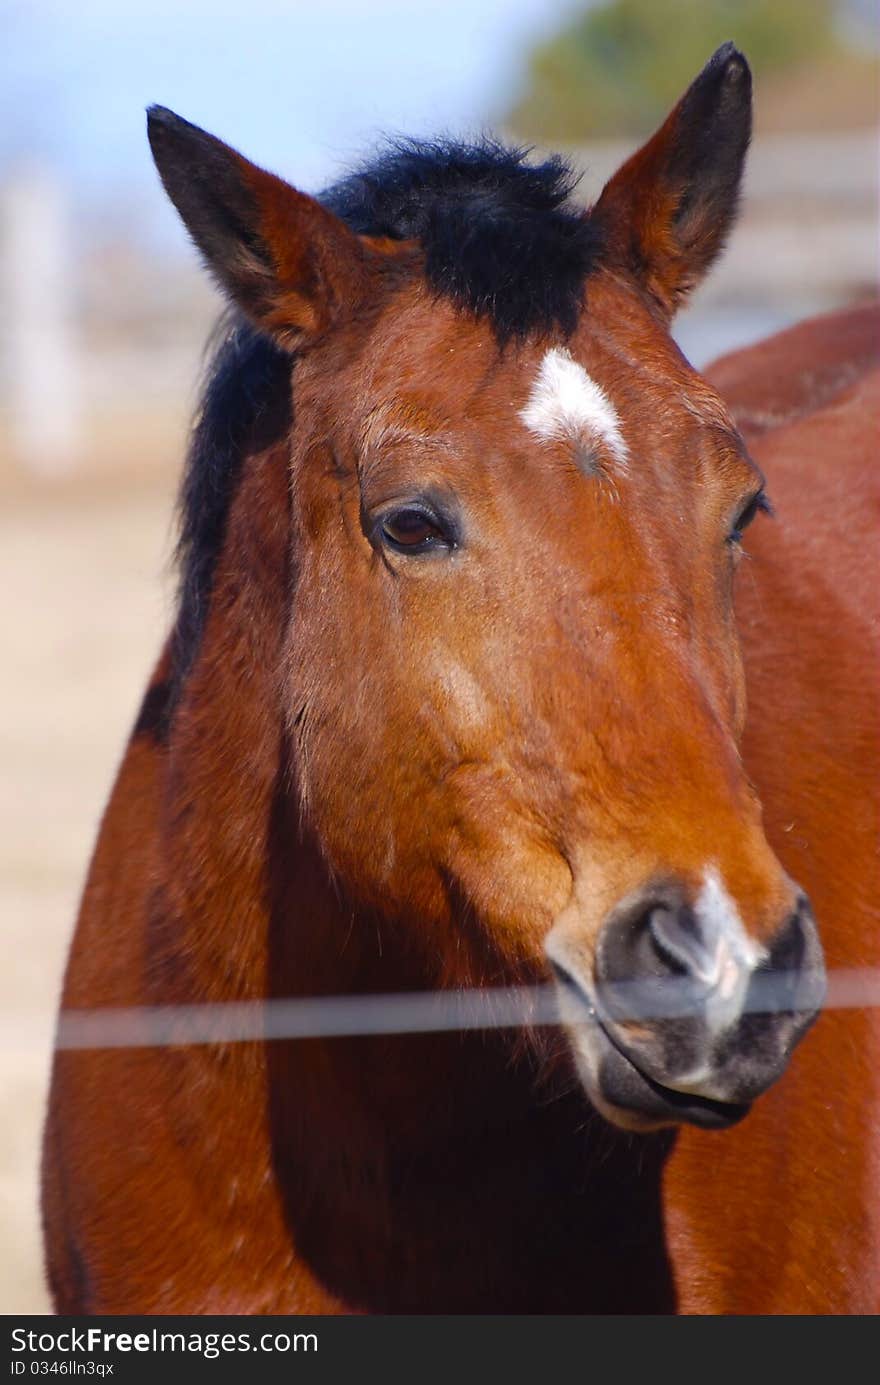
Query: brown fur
[789,1220]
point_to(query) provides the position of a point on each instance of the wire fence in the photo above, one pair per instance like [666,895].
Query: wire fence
[427,1012]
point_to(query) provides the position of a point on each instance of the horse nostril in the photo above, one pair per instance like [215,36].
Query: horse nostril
[793,976]
[788,948]
[679,942]
[655,957]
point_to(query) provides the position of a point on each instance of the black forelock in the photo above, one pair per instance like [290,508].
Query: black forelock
[501,236]
[501,239]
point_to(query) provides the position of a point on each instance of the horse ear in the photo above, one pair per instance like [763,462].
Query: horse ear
[287,262]
[666,213]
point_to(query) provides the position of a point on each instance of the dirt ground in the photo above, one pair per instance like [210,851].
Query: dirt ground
[83,570]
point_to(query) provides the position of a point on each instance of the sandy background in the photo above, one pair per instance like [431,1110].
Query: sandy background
[84,604]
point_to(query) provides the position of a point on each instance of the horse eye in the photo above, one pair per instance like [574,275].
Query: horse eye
[413,531]
[757,502]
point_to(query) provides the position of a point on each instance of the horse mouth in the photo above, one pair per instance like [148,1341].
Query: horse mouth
[626,1095]
[703,1111]
[625,1085]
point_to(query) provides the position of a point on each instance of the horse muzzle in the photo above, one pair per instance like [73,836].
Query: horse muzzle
[684,1018]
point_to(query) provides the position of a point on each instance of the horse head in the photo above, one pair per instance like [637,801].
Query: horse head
[512,681]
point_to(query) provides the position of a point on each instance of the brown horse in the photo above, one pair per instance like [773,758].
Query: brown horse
[455,699]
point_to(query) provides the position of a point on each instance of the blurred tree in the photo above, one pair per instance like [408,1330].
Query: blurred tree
[617,69]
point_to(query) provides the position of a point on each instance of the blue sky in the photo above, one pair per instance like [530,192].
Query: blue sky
[301,86]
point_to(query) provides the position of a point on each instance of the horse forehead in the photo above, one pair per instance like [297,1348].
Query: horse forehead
[611,384]
[566,403]
[604,374]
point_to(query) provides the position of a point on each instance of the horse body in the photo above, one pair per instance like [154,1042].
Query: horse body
[782,1214]
[314,802]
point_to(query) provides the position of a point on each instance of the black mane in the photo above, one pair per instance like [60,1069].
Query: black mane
[500,235]
[501,240]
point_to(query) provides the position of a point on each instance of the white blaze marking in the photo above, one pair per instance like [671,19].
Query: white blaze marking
[566,403]
[732,954]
